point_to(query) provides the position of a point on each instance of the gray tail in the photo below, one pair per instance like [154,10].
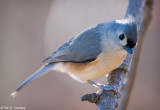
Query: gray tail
[44,69]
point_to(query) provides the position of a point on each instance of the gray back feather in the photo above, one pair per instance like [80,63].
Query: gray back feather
[83,48]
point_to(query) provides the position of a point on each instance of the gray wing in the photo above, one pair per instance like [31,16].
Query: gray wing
[83,48]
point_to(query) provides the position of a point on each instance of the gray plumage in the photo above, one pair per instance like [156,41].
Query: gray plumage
[88,41]
[93,53]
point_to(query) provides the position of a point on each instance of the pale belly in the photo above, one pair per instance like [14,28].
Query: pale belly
[89,71]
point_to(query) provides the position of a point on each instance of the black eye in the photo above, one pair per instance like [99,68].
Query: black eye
[121,36]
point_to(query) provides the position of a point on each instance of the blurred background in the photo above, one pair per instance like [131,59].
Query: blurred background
[31,30]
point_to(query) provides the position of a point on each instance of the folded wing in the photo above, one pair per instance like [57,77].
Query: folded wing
[84,48]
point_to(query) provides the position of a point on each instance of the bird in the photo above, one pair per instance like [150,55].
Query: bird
[91,54]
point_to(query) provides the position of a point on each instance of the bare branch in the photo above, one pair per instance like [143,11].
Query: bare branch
[146,18]
[107,100]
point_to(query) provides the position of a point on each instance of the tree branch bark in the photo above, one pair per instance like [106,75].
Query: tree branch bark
[145,18]
[108,100]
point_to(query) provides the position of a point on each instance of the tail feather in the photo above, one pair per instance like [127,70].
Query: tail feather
[44,69]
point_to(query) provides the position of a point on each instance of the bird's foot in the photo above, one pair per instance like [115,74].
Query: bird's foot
[104,87]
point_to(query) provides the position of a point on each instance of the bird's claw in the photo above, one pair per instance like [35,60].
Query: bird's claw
[105,87]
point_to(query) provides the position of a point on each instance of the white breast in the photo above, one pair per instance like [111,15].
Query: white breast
[104,64]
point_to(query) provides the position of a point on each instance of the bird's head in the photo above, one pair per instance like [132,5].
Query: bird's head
[123,34]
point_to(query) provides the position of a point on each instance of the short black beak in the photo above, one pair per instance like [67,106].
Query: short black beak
[128,49]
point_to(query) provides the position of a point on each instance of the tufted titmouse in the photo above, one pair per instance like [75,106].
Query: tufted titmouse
[93,53]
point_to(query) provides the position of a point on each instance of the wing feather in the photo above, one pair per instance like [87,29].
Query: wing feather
[84,48]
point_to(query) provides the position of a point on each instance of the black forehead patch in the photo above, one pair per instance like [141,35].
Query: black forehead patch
[131,33]
[130,29]
[130,43]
